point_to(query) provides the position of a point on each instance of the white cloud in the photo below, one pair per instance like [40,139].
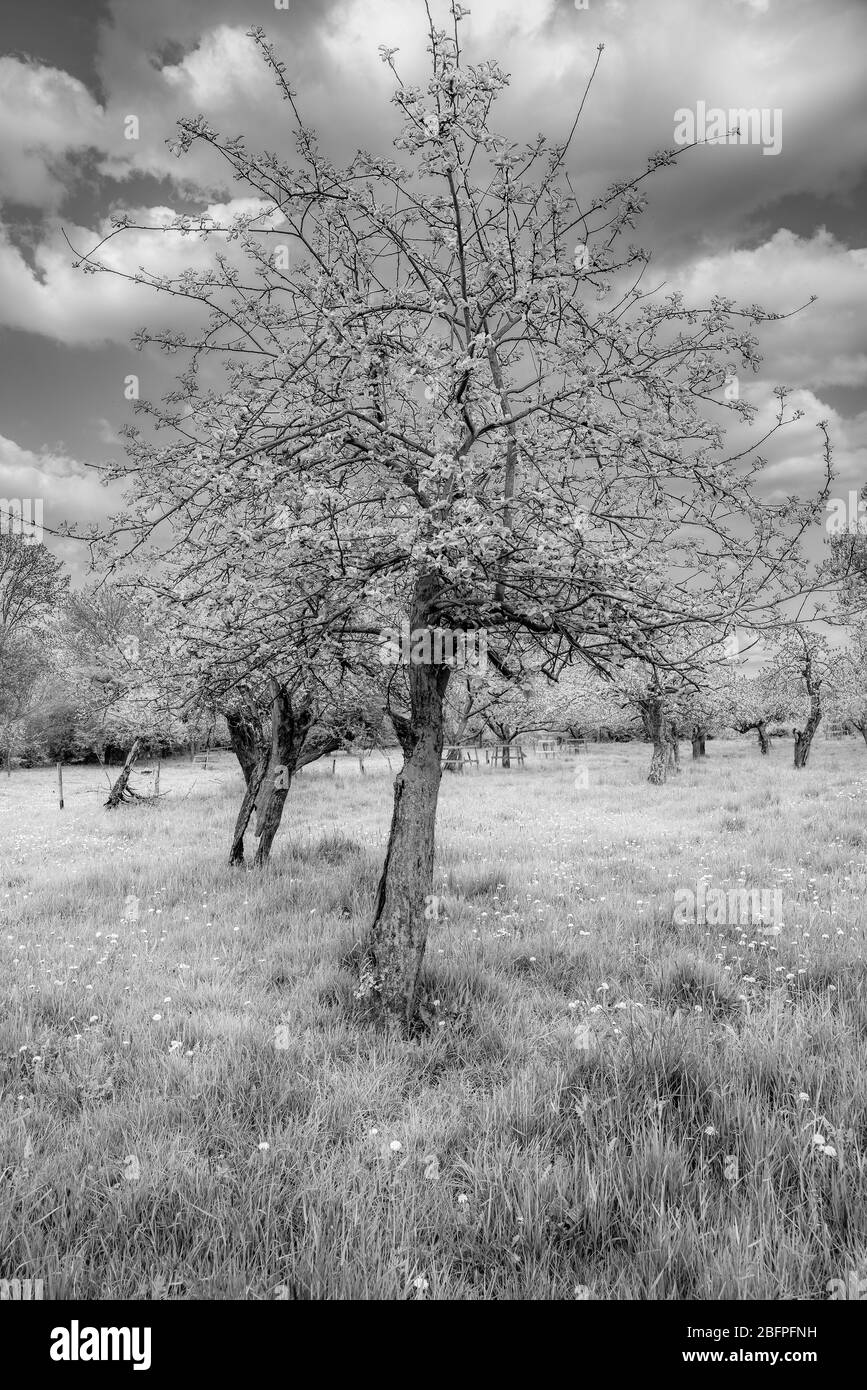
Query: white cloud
[70,491]
[794,454]
[45,116]
[63,303]
[824,345]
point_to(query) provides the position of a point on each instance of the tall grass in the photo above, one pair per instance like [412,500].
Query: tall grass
[600,1103]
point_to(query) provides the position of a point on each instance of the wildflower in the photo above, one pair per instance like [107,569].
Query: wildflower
[264,1145]
[395,1146]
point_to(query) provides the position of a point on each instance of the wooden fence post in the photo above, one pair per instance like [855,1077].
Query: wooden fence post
[60,783]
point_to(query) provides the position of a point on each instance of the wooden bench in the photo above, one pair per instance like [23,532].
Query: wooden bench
[455,756]
[496,751]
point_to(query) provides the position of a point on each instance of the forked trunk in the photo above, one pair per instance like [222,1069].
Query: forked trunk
[254,783]
[804,737]
[289,729]
[245,733]
[698,740]
[258,795]
[395,944]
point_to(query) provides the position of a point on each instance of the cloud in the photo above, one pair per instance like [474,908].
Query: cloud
[794,454]
[52,298]
[69,490]
[822,346]
[46,116]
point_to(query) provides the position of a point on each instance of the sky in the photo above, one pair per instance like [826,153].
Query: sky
[772,228]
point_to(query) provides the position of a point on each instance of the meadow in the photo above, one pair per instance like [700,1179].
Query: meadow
[600,1104]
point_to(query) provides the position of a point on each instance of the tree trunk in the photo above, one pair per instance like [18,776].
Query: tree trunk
[673,749]
[289,729]
[507,751]
[395,944]
[764,741]
[260,785]
[657,728]
[698,739]
[863,728]
[118,791]
[804,737]
[245,734]
[236,853]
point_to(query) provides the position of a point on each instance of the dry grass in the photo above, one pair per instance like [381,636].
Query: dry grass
[192,1105]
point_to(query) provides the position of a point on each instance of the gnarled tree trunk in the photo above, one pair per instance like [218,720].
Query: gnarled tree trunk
[698,741]
[254,784]
[289,729]
[804,737]
[245,734]
[118,791]
[295,748]
[395,943]
[658,730]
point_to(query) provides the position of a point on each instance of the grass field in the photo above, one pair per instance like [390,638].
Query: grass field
[603,1104]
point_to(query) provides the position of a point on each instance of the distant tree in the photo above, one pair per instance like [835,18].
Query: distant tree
[754,703]
[800,668]
[32,585]
[24,671]
[846,688]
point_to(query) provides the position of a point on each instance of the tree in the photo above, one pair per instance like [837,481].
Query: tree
[800,668]
[283,708]
[32,585]
[669,699]
[110,674]
[449,398]
[753,703]
[24,671]
[846,689]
